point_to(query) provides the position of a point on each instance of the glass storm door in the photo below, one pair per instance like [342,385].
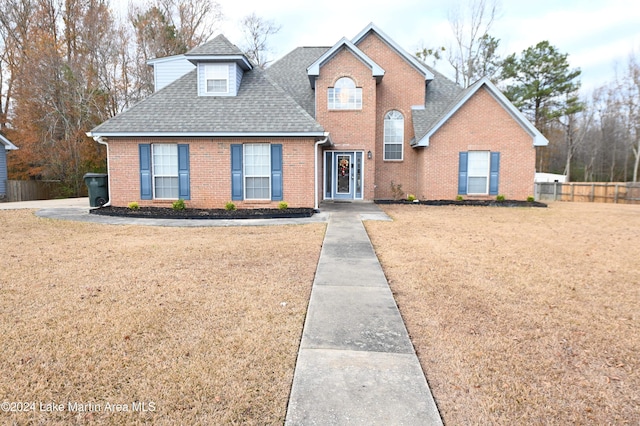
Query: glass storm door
[343,175]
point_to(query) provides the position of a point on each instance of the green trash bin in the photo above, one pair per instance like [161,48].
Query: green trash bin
[98,185]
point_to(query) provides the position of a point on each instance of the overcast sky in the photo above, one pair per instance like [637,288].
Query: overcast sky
[597,34]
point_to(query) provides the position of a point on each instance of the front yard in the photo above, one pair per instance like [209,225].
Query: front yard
[518,315]
[521,316]
[173,325]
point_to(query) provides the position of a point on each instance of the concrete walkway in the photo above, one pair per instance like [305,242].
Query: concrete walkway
[356,364]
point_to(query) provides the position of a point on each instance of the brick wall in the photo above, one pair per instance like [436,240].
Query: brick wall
[480,124]
[401,88]
[351,130]
[210,172]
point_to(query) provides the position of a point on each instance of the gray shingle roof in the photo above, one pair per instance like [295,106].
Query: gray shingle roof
[279,100]
[260,107]
[290,73]
[442,94]
[220,45]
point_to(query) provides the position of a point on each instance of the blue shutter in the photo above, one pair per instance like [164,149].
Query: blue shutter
[184,190]
[276,172]
[462,174]
[236,172]
[494,173]
[146,192]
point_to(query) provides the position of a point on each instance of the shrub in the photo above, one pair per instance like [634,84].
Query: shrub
[500,198]
[283,205]
[133,205]
[459,198]
[530,199]
[229,206]
[411,198]
[178,205]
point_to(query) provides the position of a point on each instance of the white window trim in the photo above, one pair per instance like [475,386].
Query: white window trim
[245,175]
[384,136]
[215,72]
[487,175]
[154,175]
[355,93]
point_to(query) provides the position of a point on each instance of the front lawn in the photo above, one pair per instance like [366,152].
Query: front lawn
[521,315]
[138,324]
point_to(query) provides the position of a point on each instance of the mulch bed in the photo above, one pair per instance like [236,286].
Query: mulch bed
[483,203]
[168,213]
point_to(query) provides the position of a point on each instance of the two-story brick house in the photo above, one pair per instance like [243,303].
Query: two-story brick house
[360,120]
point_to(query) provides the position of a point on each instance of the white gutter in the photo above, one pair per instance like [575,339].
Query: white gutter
[103,141]
[315,168]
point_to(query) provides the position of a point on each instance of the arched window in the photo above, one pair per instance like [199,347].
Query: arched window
[345,95]
[393,135]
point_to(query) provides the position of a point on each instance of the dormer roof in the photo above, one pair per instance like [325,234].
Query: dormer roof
[313,71]
[219,49]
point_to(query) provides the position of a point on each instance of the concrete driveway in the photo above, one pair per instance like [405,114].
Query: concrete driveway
[47,204]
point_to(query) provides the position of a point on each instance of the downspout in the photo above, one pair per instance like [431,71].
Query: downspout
[316,168]
[101,140]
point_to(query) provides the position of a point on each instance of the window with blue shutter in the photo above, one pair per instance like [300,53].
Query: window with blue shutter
[237,183]
[478,173]
[462,174]
[276,172]
[164,171]
[146,192]
[184,189]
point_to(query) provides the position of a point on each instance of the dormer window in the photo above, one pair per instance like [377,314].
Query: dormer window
[216,79]
[345,95]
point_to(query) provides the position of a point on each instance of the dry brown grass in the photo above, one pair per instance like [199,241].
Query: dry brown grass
[203,322]
[521,316]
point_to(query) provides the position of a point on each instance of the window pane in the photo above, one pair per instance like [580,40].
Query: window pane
[478,171]
[477,185]
[478,163]
[217,86]
[393,152]
[257,187]
[217,77]
[257,169]
[345,95]
[393,135]
[166,187]
[165,170]
[257,160]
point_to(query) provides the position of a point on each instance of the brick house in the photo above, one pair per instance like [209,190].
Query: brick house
[360,120]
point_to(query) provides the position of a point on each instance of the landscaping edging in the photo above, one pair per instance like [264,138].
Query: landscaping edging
[169,213]
[482,203]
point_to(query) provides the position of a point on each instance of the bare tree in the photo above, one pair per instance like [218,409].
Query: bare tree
[474,53]
[256,34]
[631,109]
[164,28]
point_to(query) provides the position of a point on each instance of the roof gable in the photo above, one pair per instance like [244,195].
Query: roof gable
[313,71]
[423,137]
[412,60]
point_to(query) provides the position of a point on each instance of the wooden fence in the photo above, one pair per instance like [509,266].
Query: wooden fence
[593,192]
[26,190]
